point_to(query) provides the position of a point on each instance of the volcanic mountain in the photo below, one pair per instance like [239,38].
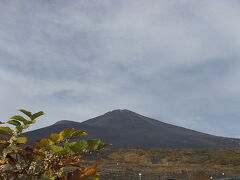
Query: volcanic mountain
[124,128]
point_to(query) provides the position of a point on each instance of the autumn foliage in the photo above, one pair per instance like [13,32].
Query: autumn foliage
[57,157]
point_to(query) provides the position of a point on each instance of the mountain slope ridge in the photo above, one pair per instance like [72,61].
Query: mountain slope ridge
[124,128]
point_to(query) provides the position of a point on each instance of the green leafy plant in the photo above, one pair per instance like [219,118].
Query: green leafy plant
[57,157]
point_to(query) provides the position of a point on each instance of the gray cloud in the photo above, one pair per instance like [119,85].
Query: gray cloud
[176,61]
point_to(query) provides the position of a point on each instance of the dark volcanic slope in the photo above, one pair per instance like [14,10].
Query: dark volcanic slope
[124,128]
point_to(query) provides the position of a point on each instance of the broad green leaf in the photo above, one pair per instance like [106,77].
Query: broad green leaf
[22,140]
[93,144]
[81,146]
[78,133]
[72,147]
[54,137]
[20,118]
[59,150]
[6,131]
[103,145]
[44,142]
[19,128]
[66,151]
[56,149]
[14,122]
[27,113]
[36,115]
[66,133]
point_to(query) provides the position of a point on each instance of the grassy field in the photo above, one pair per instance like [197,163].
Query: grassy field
[181,164]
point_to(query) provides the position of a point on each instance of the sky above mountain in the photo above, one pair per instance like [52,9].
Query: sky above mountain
[175,61]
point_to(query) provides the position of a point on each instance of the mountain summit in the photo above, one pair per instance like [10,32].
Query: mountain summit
[124,128]
[120,118]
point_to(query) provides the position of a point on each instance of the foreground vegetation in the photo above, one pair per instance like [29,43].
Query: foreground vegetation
[58,156]
[163,163]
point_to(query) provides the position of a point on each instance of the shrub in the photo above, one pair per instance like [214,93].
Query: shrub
[57,157]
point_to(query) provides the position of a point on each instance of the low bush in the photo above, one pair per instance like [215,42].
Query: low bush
[57,157]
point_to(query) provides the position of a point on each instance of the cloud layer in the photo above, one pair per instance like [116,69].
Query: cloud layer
[176,61]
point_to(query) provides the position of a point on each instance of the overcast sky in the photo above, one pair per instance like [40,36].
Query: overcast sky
[176,61]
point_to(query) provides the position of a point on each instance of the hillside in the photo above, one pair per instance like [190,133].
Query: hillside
[164,163]
[124,128]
